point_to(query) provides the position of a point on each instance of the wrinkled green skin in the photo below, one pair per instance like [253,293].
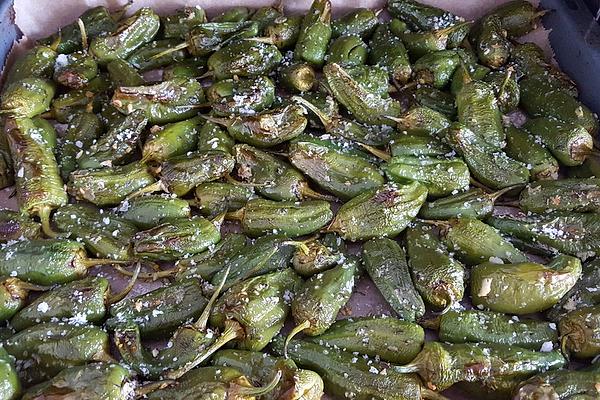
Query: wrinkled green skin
[560,385]
[131,34]
[124,74]
[13,296]
[579,195]
[422,121]
[478,110]
[419,44]
[474,203]
[346,375]
[506,89]
[518,17]
[570,233]
[474,326]
[241,96]
[81,132]
[580,332]
[267,15]
[290,218]
[204,265]
[385,262]
[490,42]
[372,78]
[437,276]
[160,311]
[212,137]
[181,174]
[359,22]
[142,59]
[285,32]
[322,296]
[213,198]
[348,51]
[322,255]
[43,262]
[390,339]
[487,163]
[175,238]
[297,77]
[384,211]
[245,58]
[167,101]
[524,148]
[295,383]
[233,14]
[108,186]
[242,302]
[84,299]
[420,146]
[171,140]
[476,242]
[465,74]
[437,100]
[37,62]
[48,348]
[180,23]
[97,22]
[344,173]
[91,98]
[10,386]
[421,16]
[442,365]
[585,293]
[314,34]
[77,71]
[266,254]
[148,211]
[388,51]
[27,97]
[104,234]
[525,287]
[437,68]
[364,106]
[95,381]
[209,37]
[14,225]
[441,177]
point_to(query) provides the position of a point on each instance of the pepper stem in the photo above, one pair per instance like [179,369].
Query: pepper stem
[44,214]
[154,187]
[376,152]
[180,46]
[306,191]
[297,329]
[148,275]
[221,121]
[244,391]
[237,215]
[499,193]
[217,221]
[116,297]
[325,120]
[202,322]
[84,38]
[480,185]
[143,391]
[91,262]
[431,395]
[431,323]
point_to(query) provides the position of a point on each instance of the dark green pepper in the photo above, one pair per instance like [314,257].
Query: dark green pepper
[437,100]
[525,148]
[490,42]
[13,296]
[347,51]
[297,77]
[89,99]
[580,331]
[180,23]
[233,14]
[318,255]
[284,32]
[241,96]
[517,17]
[506,89]
[314,34]
[10,389]
[585,293]
[6,165]
[562,385]
[421,121]
[267,15]
[421,16]
[37,62]
[75,70]
[171,140]
[15,226]
[81,133]
[212,137]
[244,58]
[580,195]
[148,211]
[27,97]
[474,203]
[156,55]
[437,68]
[358,22]
[213,198]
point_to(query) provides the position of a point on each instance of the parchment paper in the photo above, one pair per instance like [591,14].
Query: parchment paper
[39,18]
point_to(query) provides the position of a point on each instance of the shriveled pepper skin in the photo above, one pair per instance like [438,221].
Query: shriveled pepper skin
[10,388]
[563,385]
[580,195]
[585,293]
[315,33]
[319,255]
[285,32]
[360,22]
[27,97]
[474,326]
[385,261]
[81,132]
[241,96]
[525,287]
[48,348]
[474,203]
[391,339]
[383,211]
[523,147]
[178,24]
[213,198]
[171,140]
[580,332]
[244,58]
[159,311]
[421,16]
[388,51]
[149,211]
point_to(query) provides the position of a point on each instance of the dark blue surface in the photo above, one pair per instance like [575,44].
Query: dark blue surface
[8,30]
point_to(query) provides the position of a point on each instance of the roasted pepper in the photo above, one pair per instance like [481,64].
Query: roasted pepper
[81,133]
[580,195]
[10,389]
[388,51]
[241,96]
[244,58]
[27,97]
[213,198]
[474,203]
[149,211]
[315,33]
[15,226]
[171,140]
[579,332]
[563,384]
[318,255]
[13,296]
[525,148]
[178,24]
[585,293]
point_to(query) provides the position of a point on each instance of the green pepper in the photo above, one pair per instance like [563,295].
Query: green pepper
[438,277]
[267,15]
[244,58]
[349,376]
[175,238]
[525,148]
[421,121]
[13,296]
[390,339]
[15,226]
[233,14]
[490,42]
[441,177]
[212,137]
[421,16]
[104,234]
[75,70]
[89,99]
[314,34]
[213,198]
[569,143]
[267,129]
[570,233]
[319,299]
[171,140]
[517,17]
[474,326]
[385,262]
[149,211]
[10,389]
[79,302]
[241,96]
[45,349]
[563,384]
[258,305]
[284,31]
[585,293]
[442,365]
[487,163]
[297,77]
[419,43]
[589,169]
[525,287]
[260,216]
[372,78]
[116,145]
[167,101]
[110,185]
[160,311]
[580,195]
[318,255]
[579,332]
[156,54]
[347,51]
[131,34]
[364,106]
[100,380]
[37,62]
[436,68]
[465,74]
[189,68]
[358,22]
[437,100]
[180,23]
[81,133]
[38,183]
[474,203]
[506,89]
[27,97]
[344,172]
[383,211]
